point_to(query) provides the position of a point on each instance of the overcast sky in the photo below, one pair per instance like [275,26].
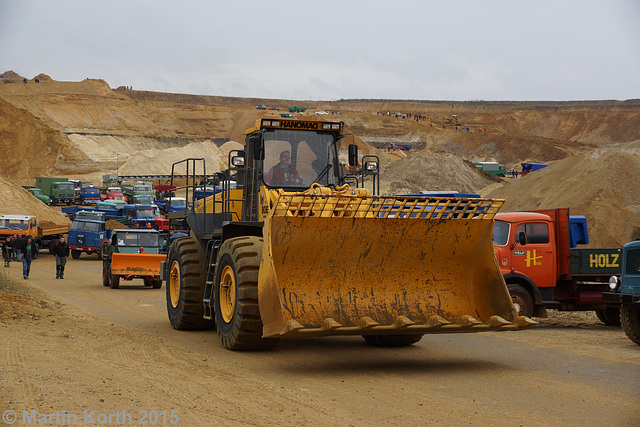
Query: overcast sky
[327,50]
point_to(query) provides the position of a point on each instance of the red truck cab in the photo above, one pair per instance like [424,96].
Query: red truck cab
[536,252]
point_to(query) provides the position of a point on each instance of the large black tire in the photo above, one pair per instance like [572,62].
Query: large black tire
[37,252]
[630,317]
[186,284]
[105,274]
[114,280]
[609,316]
[522,300]
[392,340]
[52,245]
[75,254]
[236,295]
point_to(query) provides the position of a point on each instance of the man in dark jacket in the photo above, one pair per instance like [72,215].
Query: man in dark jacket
[29,251]
[7,251]
[18,241]
[61,251]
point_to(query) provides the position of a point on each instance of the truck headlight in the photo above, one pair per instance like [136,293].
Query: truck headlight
[614,283]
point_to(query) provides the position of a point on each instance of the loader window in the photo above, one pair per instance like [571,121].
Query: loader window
[537,232]
[295,158]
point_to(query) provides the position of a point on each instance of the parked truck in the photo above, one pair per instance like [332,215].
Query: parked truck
[543,268]
[493,168]
[625,291]
[60,190]
[145,216]
[46,235]
[139,188]
[304,254]
[87,235]
[39,194]
[133,254]
[88,195]
[109,180]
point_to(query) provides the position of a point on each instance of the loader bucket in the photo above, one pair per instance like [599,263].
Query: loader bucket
[359,265]
[136,264]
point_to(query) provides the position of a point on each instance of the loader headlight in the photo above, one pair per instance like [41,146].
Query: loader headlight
[237,161]
[614,283]
[371,166]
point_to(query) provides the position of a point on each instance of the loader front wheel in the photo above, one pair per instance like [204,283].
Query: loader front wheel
[521,300]
[630,316]
[236,294]
[186,284]
[392,340]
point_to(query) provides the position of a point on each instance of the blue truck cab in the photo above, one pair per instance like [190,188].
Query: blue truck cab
[88,236]
[88,195]
[625,291]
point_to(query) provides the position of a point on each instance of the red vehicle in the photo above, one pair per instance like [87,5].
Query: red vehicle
[112,193]
[542,267]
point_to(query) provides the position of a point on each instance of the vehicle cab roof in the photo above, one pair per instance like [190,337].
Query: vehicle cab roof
[521,216]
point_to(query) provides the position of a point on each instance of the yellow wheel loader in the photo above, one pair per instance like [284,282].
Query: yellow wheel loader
[286,248]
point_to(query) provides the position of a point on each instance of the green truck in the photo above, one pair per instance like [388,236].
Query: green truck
[39,194]
[294,109]
[139,188]
[494,168]
[60,190]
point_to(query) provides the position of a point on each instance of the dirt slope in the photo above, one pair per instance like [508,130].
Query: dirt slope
[85,129]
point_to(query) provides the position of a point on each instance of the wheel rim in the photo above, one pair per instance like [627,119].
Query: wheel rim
[517,303]
[174,284]
[227,293]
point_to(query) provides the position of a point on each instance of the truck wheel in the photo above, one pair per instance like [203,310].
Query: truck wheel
[392,340]
[114,280]
[630,316]
[52,245]
[609,316]
[185,285]
[156,284]
[105,274]
[521,300]
[37,252]
[75,254]
[147,282]
[236,295]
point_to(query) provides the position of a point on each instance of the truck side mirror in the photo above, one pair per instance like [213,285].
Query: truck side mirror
[522,238]
[353,155]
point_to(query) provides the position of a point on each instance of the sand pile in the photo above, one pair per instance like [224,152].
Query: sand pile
[159,161]
[429,172]
[18,201]
[600,185]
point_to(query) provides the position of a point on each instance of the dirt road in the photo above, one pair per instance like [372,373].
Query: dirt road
[93,354]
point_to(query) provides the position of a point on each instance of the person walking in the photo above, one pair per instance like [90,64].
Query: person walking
[18,241]
[61,251]
[28,252]
[7,251]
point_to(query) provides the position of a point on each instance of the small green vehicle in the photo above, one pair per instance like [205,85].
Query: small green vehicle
[134,253]
[39,194]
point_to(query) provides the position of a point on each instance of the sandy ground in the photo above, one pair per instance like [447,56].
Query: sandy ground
[69,347]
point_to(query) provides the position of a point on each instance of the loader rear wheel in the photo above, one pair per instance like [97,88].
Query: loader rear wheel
[630,317]
[609,316]
[185,285]
[521,300]
[392,340]
[236,294]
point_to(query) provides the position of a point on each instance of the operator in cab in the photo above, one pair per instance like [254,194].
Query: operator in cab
[283,173]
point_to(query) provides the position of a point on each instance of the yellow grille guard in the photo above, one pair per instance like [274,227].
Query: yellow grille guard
[351,264]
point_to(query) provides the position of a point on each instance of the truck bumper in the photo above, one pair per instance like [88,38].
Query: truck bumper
[618,298]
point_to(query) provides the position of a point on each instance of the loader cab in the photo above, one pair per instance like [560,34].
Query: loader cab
[287,155]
